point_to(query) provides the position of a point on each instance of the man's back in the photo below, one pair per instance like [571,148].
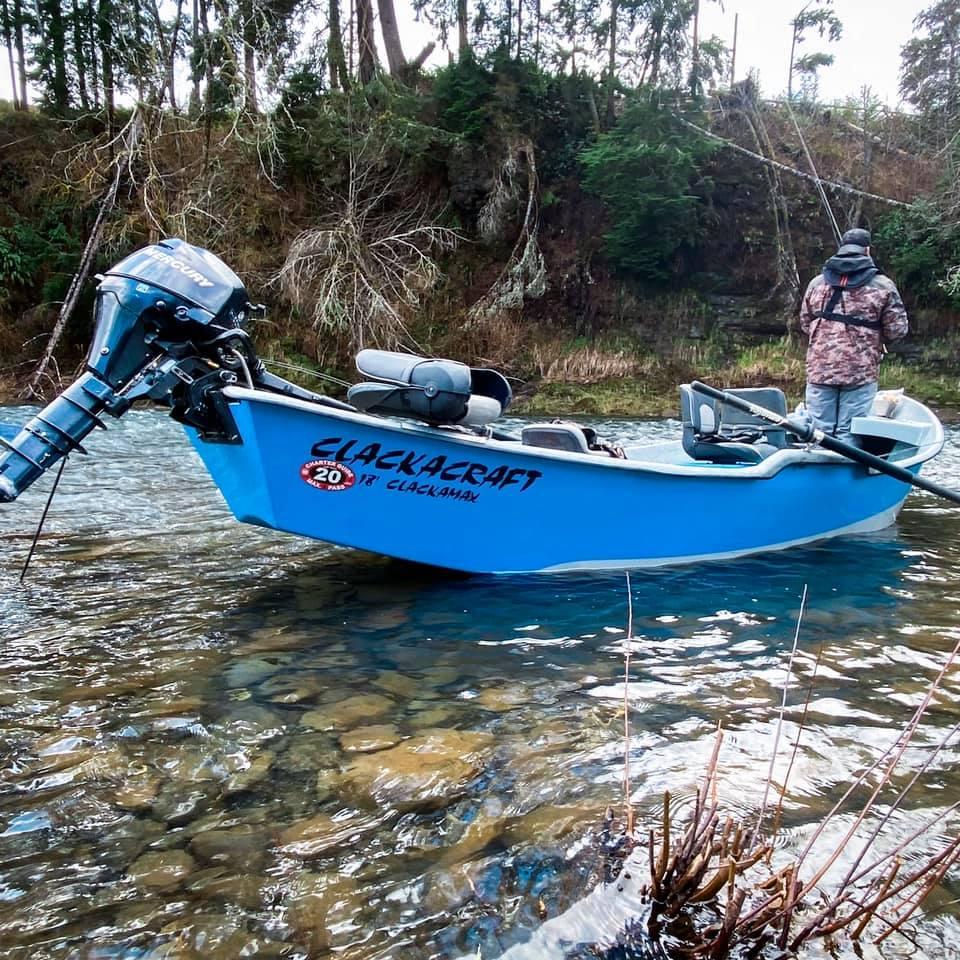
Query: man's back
[846,352]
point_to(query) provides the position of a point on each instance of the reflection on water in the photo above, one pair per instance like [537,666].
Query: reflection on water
[218,741]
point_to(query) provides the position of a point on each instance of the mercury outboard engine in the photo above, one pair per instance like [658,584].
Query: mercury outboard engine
[167,326]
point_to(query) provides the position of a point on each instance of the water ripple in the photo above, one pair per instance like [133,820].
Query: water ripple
[221,741]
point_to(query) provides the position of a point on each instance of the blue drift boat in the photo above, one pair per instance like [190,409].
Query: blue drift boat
[411,468]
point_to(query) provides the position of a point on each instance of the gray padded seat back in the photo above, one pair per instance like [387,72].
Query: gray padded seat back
[704,418]
[771,398]
[698,411]
[437,391]
[556,436]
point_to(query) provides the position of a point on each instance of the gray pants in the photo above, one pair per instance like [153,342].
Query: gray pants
[834,407]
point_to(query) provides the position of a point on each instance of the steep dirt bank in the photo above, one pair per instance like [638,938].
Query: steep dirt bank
[724,301]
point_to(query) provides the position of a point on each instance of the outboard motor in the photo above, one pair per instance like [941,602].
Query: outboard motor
[167,326]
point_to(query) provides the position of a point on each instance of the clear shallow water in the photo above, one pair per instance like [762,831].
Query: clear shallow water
[216,741]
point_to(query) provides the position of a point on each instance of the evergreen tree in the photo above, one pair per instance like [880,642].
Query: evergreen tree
[930,69]
[816,16]
[50,55]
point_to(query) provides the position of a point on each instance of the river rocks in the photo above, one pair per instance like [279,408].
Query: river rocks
[399,684]
[63,742]
[434,715]
[425,771]
[178,806]
[247,891]
[249,671]
[162,870]
[243,847]
[479,834]
[552,824]
[252,774]
[452,885]
[347,713]
[316,905]
[307,751]
[322,834]
[440,676]
[272,639]
[167,706]
[248,724]
[137,794]
[370,739]
[217,937]
[503,698]
[294,687]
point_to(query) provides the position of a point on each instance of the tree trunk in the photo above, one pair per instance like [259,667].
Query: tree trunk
[8,42]
[105,24]
[793,50]
[656,49]
[139,67]
[463,37]
[421,58]
[733,51]
[54,31]
[594,110]
[91,41]
[339,75]
[79,56]
[519,28]
[695,62]
[391,37]
[172,54]
[194,108]
[249,59]
[536,37]
[21,56]
[612,61]
[208,84]
[167,54]
[366,50]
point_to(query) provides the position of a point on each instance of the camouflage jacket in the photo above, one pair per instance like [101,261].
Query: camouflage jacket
[844,354]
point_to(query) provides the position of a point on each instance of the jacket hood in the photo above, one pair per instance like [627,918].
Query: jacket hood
[857,268]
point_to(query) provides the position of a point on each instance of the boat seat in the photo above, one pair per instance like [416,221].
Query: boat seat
[570,437]
[556,436]
[720,433]
[435,391]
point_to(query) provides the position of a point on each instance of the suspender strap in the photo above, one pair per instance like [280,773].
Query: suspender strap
[829,312]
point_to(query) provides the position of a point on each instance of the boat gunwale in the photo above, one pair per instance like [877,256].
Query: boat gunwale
[766,469]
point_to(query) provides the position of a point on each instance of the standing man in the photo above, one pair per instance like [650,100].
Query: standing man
[849,312]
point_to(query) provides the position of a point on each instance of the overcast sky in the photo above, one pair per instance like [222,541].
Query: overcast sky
[868,53]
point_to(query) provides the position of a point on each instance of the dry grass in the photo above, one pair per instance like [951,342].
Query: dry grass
[590,365]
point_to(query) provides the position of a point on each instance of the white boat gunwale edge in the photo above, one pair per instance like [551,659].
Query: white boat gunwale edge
[765,469]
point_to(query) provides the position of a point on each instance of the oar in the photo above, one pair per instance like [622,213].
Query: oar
[810,434]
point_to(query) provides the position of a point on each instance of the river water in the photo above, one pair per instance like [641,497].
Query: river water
[217,741]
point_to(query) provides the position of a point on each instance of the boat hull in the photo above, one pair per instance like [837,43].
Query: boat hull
[483,506]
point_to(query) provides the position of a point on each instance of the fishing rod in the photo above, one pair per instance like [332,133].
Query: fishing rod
[813,169]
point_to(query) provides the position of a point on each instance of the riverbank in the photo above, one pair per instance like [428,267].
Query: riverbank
[927,374]
[611,379]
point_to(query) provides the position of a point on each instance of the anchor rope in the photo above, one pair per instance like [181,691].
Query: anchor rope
[43,517]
